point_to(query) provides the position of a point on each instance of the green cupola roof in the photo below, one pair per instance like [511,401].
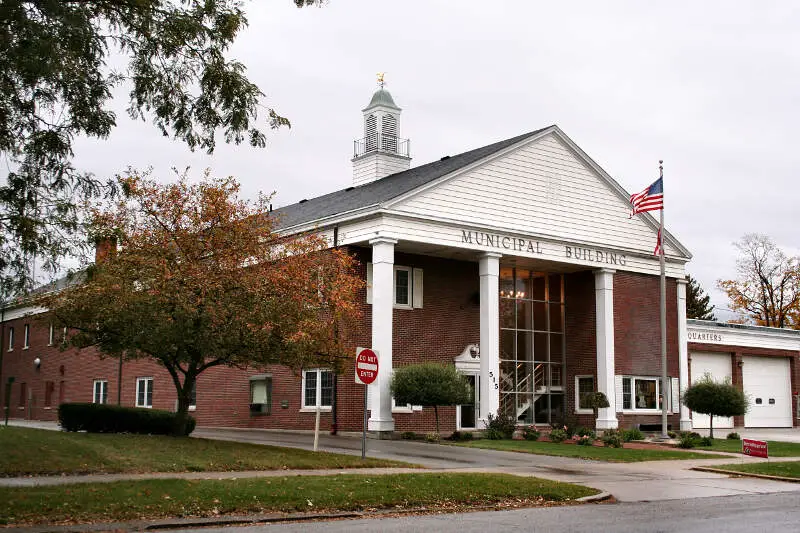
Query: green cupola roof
[382,97]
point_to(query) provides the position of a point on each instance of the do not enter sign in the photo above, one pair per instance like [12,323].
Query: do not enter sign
[366,366]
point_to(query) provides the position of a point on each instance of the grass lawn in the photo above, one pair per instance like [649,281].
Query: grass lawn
[776,448]
[613,455]
[26,451]
[151,499]
[787,469]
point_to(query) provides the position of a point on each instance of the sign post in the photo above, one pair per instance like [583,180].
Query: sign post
[755,448]
[366,372]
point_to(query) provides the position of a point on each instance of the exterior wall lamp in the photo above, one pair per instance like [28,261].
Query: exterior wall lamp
[37,363]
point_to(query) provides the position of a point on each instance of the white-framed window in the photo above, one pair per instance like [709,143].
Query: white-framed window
[11,338]
[407,408]
[144,392]
[100,393]
[26,337]
[317,389]
[406,287]
[584,385]
[640,393]
[51,335]
[261,394]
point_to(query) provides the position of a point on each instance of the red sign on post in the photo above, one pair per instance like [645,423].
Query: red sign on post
[754,448]
[366,366]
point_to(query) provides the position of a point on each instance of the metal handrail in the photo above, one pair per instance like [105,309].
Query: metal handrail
[380,142]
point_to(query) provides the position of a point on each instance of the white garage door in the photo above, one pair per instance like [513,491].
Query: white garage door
[767,384]
[719,366]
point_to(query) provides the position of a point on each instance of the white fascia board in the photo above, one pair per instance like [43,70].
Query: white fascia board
[495,229]
[621,192]
[22,311]
[710,332]
[338,218]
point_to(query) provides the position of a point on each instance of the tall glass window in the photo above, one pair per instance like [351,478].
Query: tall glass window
[532,346]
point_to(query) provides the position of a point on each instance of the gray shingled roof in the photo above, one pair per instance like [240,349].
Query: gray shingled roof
[387,188]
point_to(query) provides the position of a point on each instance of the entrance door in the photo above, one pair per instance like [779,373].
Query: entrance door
[468,413]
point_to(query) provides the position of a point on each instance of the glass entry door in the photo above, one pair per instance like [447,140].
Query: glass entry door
[468,413]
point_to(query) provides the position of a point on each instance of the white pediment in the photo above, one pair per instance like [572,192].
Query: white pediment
[545,188]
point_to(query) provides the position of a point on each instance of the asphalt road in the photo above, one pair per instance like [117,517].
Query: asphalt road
[728,514]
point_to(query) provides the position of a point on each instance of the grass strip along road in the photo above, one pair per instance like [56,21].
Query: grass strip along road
[776,448]
[153,499]
[789,469]
[28,451]
[613,455]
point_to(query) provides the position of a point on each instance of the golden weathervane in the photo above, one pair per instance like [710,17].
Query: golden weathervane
[380,79]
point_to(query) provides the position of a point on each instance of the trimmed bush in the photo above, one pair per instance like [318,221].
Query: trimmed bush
[557,435]
[500,427]
[733,436]
[705,441]
[687,440]
[408,435]
[432,437]
[582,432]
[632,434]
[612,439]
[104,418]
[585,440]
[530,433]
[461,436]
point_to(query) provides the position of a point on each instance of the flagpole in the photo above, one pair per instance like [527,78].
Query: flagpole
[664,384]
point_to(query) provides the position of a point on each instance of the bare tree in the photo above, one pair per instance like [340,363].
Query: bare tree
[767,288]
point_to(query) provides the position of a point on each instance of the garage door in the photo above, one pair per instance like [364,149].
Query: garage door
[767,384]
[719,366]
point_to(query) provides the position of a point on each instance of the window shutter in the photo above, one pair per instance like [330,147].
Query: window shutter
[618,390]
[417,289]
[369,283]
[676,395]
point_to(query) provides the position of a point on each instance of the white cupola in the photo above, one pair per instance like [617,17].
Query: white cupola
[381,151]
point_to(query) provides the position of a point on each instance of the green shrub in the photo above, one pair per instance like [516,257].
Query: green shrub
[530,433]
[585,440]
[461,436]
[581,431]
[672,434]
[632,434]
[408,435]
[432,437]
[557,435]
[711,398]
[686,440]
[705,441]
[104,418]
[733,436]
[502,425]
[612,439]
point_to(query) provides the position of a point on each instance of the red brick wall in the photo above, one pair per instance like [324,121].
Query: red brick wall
[447,323]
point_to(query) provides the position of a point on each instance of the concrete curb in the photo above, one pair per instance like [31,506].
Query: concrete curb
[603,496]
[745,474]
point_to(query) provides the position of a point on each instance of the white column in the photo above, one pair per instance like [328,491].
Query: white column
[683,353]
[604,310]
[382,309]
[489,271]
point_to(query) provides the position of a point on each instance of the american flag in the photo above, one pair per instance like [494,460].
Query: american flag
[650,199]
[659,245]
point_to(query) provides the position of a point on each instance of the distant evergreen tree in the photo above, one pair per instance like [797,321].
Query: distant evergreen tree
[697,301]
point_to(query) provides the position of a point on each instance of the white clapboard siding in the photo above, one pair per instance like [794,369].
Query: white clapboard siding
[542,188]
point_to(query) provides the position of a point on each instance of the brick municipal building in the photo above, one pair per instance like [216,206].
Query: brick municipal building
[516,262]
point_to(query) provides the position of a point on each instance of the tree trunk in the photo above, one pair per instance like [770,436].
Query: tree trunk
[711,426]
[182,413]
[436,413]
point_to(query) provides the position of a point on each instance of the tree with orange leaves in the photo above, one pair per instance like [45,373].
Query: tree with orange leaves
[767,289]
[202,278]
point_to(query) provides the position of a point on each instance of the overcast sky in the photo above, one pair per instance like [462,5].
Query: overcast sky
[711,87]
